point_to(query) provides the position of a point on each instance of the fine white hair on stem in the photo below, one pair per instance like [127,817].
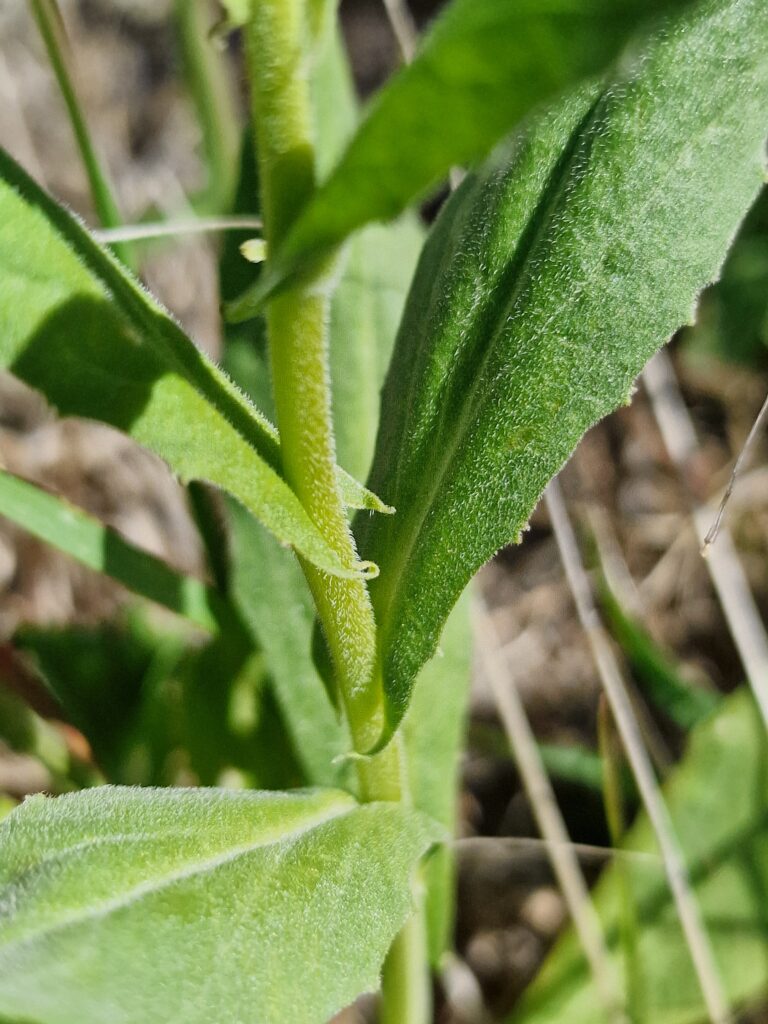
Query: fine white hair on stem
[617,695]
[565,864]
[171,228]
[723,563]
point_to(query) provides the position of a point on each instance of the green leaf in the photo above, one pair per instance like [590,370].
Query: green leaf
[483,66]
[76,326]
[133,905]
[26,732]
[433,734]
[721,783]
[549,279]
[68,528]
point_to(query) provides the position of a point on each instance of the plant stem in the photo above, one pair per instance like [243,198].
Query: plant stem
[212,95]
[51,25]
[406,991]
[297,330]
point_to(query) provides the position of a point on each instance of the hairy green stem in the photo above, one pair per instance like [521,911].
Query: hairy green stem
[51,25]
[297,330]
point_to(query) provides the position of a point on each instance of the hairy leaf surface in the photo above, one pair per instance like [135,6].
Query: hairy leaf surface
[481,69]
[76,326]
[133,905]
[548,281]
[723,782]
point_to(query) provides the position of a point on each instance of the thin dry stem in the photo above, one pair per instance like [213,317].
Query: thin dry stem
[611,679]
[403,27]
[559,848]
[745,452]
[723,563]
[585,852]
[171,228]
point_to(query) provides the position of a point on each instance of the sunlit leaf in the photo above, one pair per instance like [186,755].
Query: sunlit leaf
[133,905]
[76,326]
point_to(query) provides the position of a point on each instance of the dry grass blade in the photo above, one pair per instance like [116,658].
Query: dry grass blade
[565,864]
[725,568]
[403,27]
[623,713]
[715,528]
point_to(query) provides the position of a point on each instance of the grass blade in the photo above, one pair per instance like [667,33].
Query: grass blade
[69,529]
[52,30]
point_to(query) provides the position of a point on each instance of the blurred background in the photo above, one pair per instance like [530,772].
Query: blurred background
[631,489]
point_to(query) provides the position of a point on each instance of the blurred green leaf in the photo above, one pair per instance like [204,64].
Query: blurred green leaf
[365,313]
[483,66]
[548,280]
[233,730]
[718,801]
[260,906]
[76,326]
[115,684]
[26,732]
[68,528]
[269,589]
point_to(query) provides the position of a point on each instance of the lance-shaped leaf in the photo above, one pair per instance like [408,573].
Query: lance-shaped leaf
[547,282]
[76,326]
[131,905]
[721,781]
[90,542]
[483,66]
